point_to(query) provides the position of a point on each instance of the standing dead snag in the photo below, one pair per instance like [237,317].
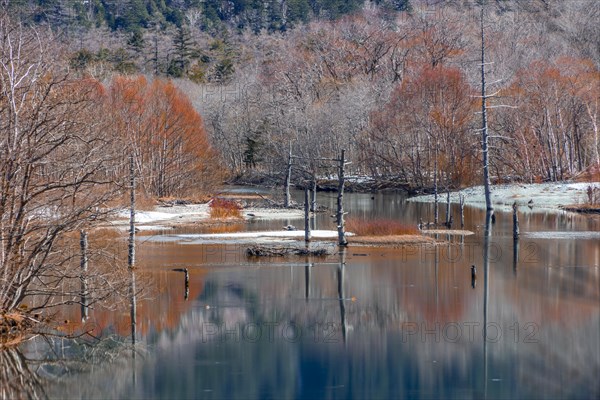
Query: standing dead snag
[288,178]
[340,201]
[306,217]
[83,243]
[461,200]
[515,222]
[436,211]
[484,123]
[448,215]
[313,202]
[131,253]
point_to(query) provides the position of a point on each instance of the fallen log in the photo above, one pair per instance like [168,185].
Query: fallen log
[281,251]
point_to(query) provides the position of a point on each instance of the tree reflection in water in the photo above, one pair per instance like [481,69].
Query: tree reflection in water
[33,368]
[17,380]
[51,358]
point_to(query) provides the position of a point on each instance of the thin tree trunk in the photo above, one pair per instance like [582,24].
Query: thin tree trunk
[131,253]
[436,211]
[484,127]
[83,244]
[313,204]
[306,217]
[340,202]
[515,222]
[593,117]
[448,216]
[288,178]
[462,210]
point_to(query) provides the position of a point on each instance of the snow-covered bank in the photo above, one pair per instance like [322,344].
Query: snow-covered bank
[529,197]
[167,217]
[244,237]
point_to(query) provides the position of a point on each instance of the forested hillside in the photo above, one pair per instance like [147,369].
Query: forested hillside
[134,15]
[395,83]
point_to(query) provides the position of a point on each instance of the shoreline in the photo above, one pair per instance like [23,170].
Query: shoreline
[536,197]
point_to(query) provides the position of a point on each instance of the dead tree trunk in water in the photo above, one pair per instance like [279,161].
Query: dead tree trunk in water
[83,244]
[306,217]
[288,178]
[131,253]
[313,203]
[515,222]
[448,216]
[340,202]
[461,200]
[436,212]
[484,123]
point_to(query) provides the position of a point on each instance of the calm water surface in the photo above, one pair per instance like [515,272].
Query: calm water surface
[367,323]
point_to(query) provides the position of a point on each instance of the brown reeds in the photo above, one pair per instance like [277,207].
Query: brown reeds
[379,227]
[223,208]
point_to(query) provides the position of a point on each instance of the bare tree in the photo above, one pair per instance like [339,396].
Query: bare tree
[56,172]
[484,122]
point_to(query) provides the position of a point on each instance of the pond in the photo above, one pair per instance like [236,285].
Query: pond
[365,323]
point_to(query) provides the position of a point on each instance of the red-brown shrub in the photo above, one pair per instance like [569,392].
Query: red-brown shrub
[223,208]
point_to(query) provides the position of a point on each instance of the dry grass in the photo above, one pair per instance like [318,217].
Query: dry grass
[379,227]
[223,208]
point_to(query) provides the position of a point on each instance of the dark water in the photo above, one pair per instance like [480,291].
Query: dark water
[369,323]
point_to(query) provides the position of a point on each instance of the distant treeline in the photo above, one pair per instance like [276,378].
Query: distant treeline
[134,15]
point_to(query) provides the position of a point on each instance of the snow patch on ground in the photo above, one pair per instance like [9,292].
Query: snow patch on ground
[272,213]
[244,237]
[168,217]
[529,197]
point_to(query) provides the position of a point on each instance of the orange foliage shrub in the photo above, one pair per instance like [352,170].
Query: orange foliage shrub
[159,124]
[379,227]
[223,208]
